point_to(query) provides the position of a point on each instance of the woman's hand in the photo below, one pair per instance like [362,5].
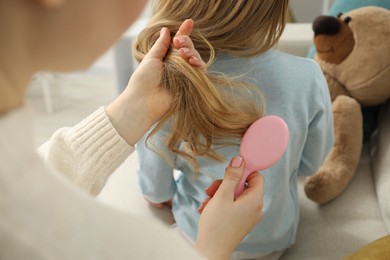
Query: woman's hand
[224,222]
[143,102]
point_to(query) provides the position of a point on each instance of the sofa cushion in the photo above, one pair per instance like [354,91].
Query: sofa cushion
[296,39]
[340,227]
[380,154]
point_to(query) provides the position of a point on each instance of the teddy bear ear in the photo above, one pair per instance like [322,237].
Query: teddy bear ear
[339,14]
[347,19]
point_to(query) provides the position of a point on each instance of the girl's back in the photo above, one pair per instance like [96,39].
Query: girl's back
[213,109]
[295,89]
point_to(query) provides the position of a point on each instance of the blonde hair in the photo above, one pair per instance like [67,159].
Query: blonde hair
[210,108]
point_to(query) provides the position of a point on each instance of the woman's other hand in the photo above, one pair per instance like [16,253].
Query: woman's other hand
[224,221]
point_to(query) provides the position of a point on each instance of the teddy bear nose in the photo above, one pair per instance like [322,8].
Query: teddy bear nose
[326,25]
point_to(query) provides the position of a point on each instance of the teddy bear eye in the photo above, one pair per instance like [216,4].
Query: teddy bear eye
[340,14]
[347,19]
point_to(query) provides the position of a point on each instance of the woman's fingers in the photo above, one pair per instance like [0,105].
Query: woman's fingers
[184,44]
[201,208]
[182,39]
[189,53]
[225,188]
[254,181]
[210,191]
[232,177]
[198,62]
[185,28]
[253,193]
[161,46]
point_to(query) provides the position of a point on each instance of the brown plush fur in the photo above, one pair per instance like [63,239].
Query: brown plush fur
[356,64]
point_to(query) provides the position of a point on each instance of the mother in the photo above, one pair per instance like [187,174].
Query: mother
[44,215]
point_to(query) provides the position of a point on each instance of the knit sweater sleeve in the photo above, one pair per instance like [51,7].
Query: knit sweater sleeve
[87,153]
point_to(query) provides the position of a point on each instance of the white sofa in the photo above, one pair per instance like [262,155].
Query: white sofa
[331,231]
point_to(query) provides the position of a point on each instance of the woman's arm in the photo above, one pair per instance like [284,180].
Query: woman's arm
[89,152]
[221,226]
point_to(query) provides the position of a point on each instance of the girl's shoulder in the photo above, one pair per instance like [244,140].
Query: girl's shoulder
[283,60]
[270,61]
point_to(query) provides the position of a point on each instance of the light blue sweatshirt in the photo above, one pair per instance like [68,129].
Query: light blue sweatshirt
[294,89]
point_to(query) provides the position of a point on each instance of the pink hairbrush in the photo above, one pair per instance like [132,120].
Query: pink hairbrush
[263,144]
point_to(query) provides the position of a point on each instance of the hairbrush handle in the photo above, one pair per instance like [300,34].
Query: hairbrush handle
[241,184]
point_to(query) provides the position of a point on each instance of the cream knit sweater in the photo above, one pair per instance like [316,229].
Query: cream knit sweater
[44,216]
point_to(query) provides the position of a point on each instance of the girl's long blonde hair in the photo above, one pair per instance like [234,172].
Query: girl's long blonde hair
[211,108]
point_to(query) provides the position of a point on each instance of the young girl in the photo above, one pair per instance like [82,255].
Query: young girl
[213,108]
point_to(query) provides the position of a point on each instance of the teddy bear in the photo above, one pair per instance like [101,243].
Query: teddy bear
[353,51]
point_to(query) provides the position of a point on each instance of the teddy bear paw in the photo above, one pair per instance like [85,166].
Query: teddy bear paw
[327,184]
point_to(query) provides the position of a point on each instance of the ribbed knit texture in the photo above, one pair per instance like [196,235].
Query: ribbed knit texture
[87,153]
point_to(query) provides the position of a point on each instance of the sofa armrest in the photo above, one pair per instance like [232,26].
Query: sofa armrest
[296,39]
[380,163]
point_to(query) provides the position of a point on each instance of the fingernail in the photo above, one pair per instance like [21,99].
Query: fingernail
[162,30]
[236,162]
[181,40]
[186,50]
